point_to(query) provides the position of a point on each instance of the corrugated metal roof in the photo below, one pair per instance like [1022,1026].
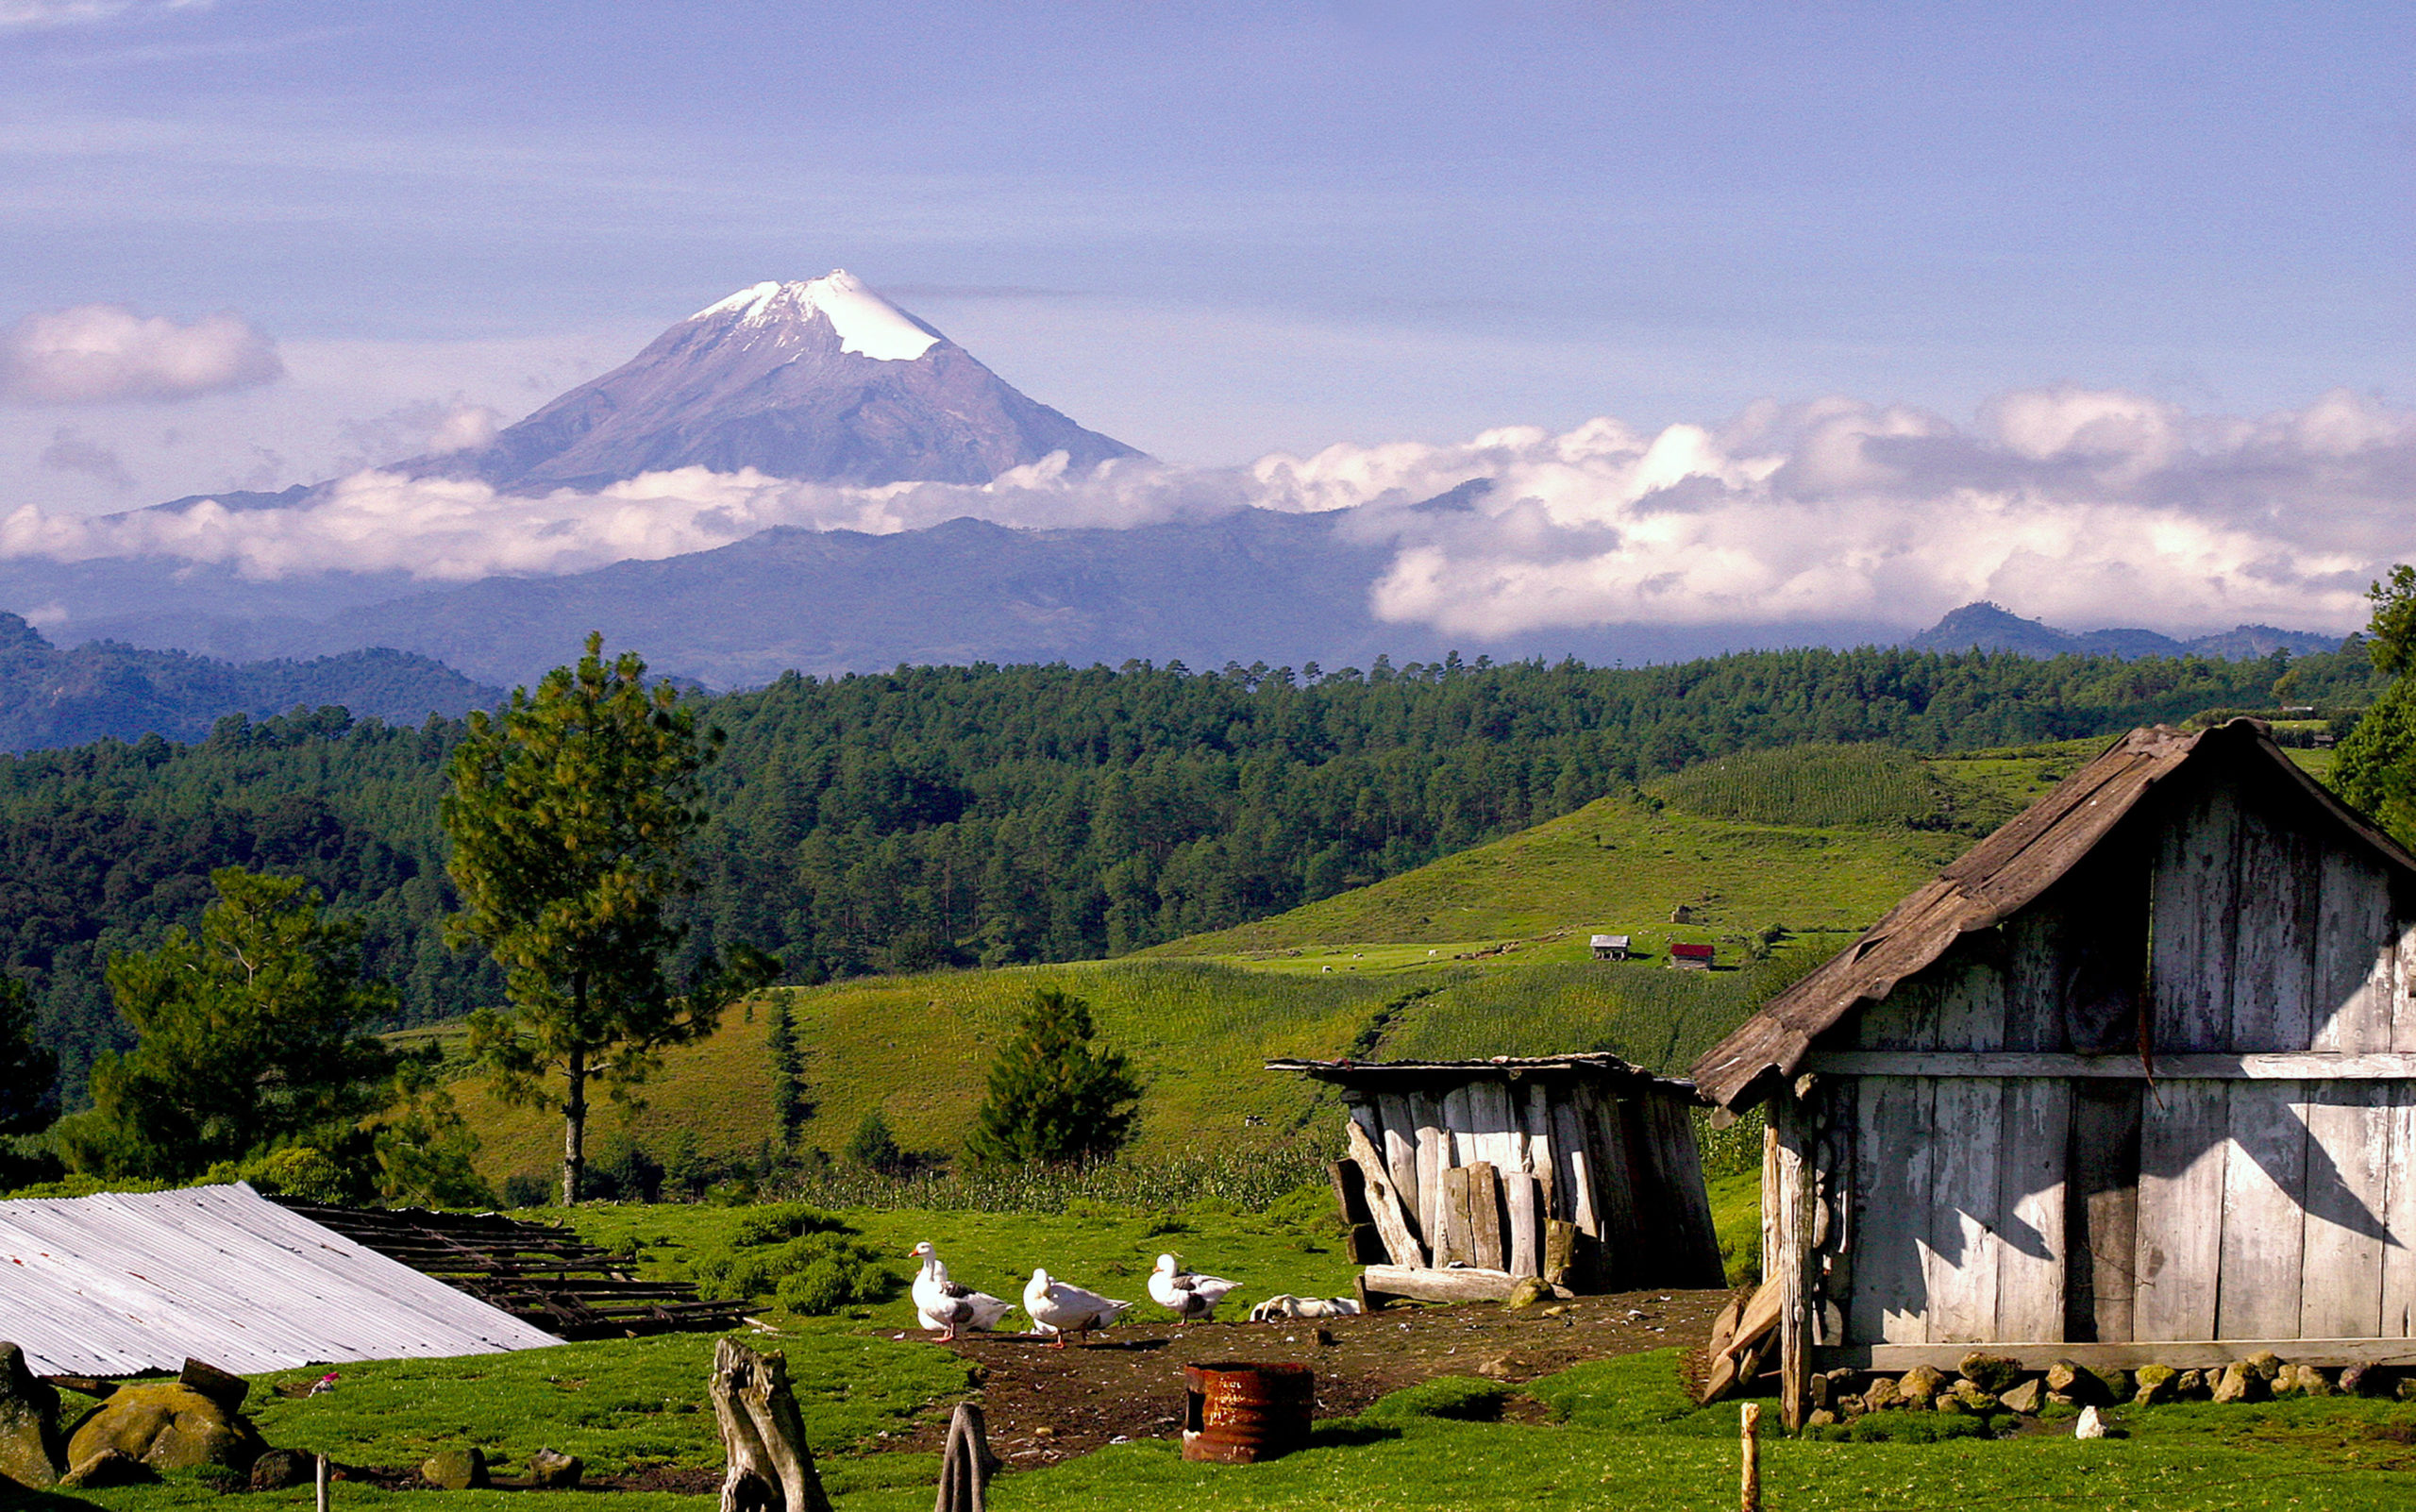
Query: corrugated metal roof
[1997,878]
[126,1282]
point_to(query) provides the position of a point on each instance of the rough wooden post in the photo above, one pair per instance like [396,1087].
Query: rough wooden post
[771,1466]
[1749,1484]
[1792,1267]
[965,1466]
[319,1485]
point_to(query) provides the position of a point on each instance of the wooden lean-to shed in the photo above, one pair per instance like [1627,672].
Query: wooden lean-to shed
[2133,1081]
[1581,1170]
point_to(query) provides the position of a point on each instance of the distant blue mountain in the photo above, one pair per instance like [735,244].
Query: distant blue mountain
[50,697]
[1985,627]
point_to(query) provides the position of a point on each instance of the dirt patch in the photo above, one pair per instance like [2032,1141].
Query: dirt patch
[1045,1405]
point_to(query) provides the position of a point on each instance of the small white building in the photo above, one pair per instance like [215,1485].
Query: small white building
[1609,947]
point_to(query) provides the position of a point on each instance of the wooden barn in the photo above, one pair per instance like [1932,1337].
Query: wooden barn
[1581,1170]
[2133,1081]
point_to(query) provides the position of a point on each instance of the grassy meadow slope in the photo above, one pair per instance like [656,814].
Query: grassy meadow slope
[1482,954]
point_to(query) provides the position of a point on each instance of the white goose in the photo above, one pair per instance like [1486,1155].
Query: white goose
[1186,1295]
[1062,1309]
[946,1306]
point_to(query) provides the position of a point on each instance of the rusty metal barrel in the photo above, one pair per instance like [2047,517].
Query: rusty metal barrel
[1238,1413]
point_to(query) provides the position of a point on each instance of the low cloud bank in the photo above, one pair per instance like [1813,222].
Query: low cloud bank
[99,354]
[2085,508]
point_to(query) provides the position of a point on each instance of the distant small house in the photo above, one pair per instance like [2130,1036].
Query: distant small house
[1691,957]
[1609,947]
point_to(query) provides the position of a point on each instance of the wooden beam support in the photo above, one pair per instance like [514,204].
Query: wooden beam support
[1462,1283]
[1792,1266]
[2307,1066]
[1384,1203]
[2191,1354]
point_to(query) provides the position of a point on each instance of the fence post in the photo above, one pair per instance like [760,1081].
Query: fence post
[1749,1489]
[319,1484]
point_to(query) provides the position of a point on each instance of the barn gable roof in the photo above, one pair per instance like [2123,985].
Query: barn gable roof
[1992,880]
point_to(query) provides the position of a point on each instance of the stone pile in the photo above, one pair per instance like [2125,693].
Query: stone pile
[1987,1383]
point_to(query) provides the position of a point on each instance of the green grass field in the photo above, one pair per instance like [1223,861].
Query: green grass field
[1481,953]
[1616,1433]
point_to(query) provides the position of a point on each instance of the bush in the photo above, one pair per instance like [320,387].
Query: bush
[1903,1428]
[874,1148]
[785,1220]
[802,1258]
[526,1189]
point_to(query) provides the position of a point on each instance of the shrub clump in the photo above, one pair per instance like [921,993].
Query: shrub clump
[805,1258]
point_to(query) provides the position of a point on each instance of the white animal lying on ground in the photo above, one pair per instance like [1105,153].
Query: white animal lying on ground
[1288,1306]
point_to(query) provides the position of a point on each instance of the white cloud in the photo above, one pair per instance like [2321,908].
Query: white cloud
[34,14]
[96,354]
[2085,509]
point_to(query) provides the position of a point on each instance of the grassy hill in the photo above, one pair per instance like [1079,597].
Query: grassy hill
[1776,857]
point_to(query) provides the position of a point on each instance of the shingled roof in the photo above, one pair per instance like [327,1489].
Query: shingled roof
[1994,879]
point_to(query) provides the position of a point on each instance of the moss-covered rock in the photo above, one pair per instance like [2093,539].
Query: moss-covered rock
[2157,1384]
[1919,1386]
[29,1448]
[167,1425]
[456,1470]
[1992,1373]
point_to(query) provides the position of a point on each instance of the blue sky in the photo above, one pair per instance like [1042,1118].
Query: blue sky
[1212,230]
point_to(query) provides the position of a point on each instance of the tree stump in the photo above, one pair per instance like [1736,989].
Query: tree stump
[771,1466]
[964,1469]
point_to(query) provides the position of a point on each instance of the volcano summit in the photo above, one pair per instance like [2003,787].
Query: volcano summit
[822,380]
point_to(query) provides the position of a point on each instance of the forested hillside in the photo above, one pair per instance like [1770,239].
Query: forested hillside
[53,697]
[944,815]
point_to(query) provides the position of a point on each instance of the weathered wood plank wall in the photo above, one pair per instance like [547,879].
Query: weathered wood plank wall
[2040,1208]
[1476,1171]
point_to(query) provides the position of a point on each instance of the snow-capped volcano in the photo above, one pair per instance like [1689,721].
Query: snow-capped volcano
[820,380]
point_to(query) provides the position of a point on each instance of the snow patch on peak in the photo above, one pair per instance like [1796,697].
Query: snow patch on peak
[867,325]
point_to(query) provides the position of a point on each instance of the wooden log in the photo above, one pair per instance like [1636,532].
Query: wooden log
[1458,1122]
[1568,1150]
[966,1464]
[1792,1267]
[1485,1217]
[771,1466]
[1560,1251]
[1401,1157]
[1464,1284]
[1430,1137]
[1384,1203]
[1519,1199]
[1541,1163]
[1350,1192]
[1748,1487]
[1459,1230]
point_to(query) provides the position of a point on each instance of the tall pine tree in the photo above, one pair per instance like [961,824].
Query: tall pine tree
[1053,1097]
[570,818]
